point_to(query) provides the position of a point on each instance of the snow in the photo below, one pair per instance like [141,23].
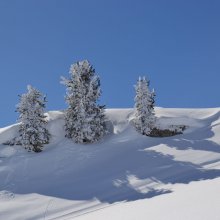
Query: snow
[124,176]
[185,203]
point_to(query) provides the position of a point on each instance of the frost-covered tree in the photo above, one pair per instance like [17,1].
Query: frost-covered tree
[84,118]
[32,130]
[144,120]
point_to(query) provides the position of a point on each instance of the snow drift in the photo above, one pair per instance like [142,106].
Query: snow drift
[124,176]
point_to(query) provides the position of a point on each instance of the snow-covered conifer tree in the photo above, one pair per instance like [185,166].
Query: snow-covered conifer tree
[85,119]
[32,131]
[144,120]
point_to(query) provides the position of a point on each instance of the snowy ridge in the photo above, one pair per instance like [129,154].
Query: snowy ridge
[124,176]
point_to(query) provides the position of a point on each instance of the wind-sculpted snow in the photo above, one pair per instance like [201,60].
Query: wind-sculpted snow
[67,180]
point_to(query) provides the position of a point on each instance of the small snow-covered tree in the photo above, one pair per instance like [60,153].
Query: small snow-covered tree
[144,120]
[84,118]
[32,130]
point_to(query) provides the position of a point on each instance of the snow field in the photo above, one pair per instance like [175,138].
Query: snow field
[124,176]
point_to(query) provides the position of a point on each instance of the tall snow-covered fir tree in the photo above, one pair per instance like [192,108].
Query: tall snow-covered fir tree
[32,130]
[144,120]
[84,118]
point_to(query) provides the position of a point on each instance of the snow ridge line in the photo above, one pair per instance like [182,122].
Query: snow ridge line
[84,212]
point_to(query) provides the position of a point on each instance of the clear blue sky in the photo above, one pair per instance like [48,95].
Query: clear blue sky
[175,43]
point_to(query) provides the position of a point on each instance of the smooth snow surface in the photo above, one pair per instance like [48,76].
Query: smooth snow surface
[125,176]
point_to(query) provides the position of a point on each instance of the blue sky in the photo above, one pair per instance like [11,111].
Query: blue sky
[175,43]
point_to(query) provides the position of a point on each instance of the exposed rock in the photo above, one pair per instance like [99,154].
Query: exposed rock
[174,130]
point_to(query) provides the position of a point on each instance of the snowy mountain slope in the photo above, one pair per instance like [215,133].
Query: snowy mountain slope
[124,176]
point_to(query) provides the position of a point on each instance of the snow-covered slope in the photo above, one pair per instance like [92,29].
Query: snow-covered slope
[125,176]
